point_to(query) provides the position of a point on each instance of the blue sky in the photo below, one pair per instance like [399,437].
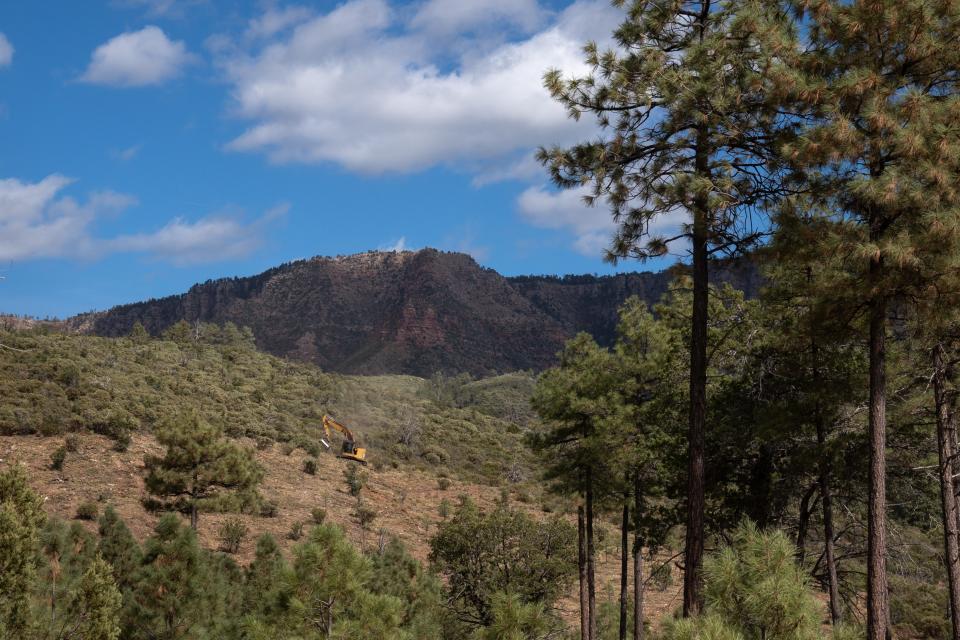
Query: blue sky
[151,144]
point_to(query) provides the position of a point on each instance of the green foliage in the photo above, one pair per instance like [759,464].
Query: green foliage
[756,586]
[21,516]
[318,515]
[365,516]
[310,466]
[200,468]
[443,484]
[356,479]
[71,443]
[232,533]
[88,510]
[94,605]
[296,530]
[514,619]
[57,458]
[118,548]
[503,551]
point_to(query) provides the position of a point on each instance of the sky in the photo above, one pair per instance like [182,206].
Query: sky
[146,145]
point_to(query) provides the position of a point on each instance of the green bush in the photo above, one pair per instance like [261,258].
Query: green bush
[232,533]
[57,458]
[443,483]
[310,466]
[87,511]
[356,480]
[318,515]
[72,443]
[365,516]
[296,530]
[269,509]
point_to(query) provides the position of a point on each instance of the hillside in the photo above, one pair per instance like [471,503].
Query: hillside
[429,441]
[408,312]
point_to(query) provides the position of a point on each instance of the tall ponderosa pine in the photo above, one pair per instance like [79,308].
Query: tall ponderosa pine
[577,399]
[881,158]
[200,468]
[686,127]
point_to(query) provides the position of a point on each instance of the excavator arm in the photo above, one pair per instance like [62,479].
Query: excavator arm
[350,450]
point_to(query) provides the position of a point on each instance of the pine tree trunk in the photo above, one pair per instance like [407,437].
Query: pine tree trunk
[582,567]
[947,492]
[877,599]
[591,559]
[803,523]
[637,564]
[624,564]
[826,472]
[696,438]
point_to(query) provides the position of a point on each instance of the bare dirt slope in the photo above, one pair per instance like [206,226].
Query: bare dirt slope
[406,501]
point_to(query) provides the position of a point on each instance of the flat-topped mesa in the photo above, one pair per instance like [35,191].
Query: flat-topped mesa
[414,312]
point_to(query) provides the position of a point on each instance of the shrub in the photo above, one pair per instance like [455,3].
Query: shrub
[57,458]
[87,511]
[232,533]
[365,516]
[310,466]
[443,483]
[318,514]
[269,509]
[296,530]
[356,480]
[444,509]
[264,443]
[287,448]
[72,443]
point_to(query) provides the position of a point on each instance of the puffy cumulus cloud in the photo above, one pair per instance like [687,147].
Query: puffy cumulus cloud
[592,228]
[37,221]
[136,59]
[369,87]
[6,51]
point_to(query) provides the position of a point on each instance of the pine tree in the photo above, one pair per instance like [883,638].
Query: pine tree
[687,127]
[93,609]
[200,469]
[118,548]
[880,159]
[21,516]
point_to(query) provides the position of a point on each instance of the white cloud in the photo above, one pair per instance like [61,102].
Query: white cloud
[274,21]
[36,221]
[6,51]
[445,17]
[367,86]
[136,59]
[591,227]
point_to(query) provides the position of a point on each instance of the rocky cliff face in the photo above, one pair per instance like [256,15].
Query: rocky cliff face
[410,312]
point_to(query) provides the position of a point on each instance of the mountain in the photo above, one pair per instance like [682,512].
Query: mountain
[413,312]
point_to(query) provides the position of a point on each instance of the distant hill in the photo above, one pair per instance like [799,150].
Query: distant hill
[405,312]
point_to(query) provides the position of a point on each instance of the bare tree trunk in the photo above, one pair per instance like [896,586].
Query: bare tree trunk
[637,564]
[591,559]
[877,598]
[624,563]
[947,494]
[582,567]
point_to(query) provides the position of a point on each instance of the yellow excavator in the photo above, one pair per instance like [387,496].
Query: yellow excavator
[350,450]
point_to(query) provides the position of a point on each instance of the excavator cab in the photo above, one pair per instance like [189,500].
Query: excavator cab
[349,450]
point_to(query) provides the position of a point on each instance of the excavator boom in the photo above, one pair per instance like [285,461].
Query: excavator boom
[350,450]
